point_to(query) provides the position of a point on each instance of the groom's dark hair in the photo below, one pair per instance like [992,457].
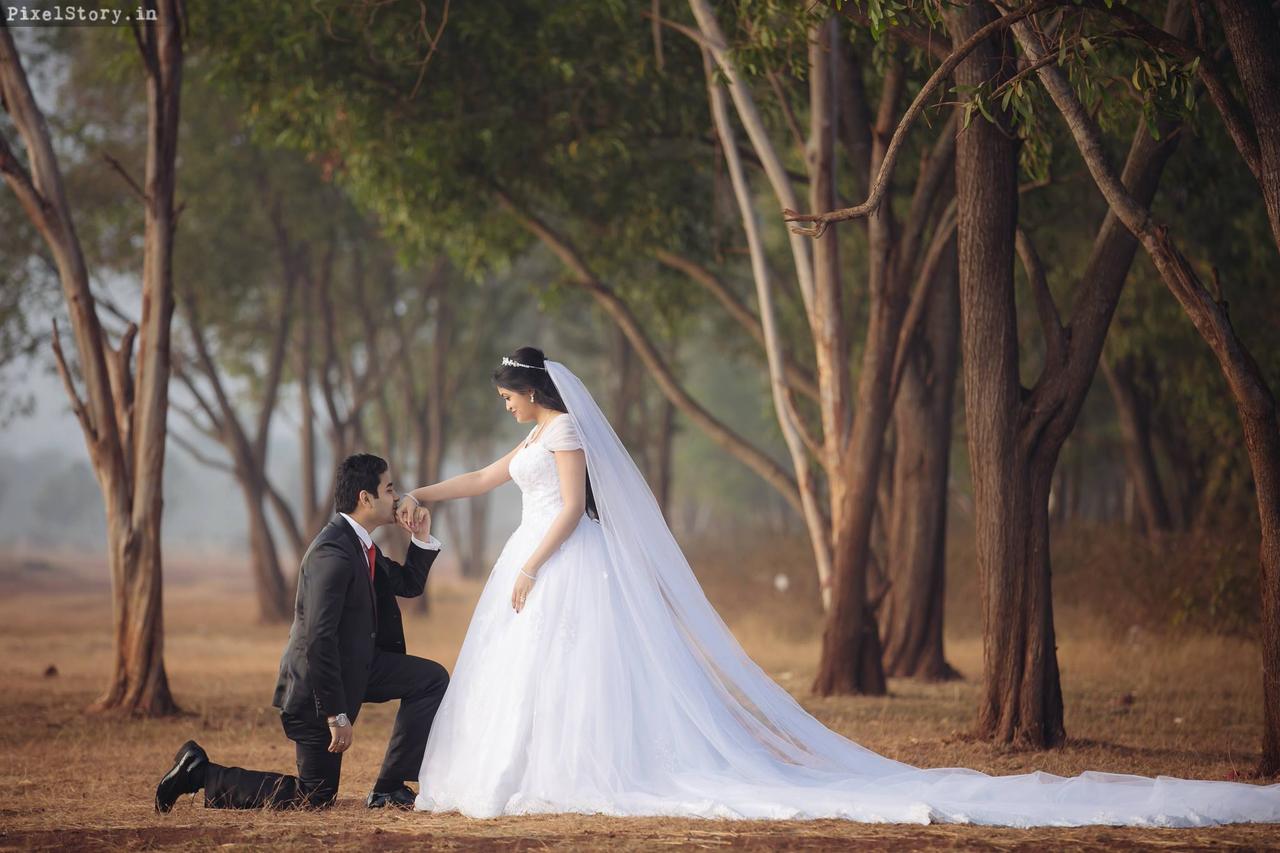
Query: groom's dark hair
[358,473]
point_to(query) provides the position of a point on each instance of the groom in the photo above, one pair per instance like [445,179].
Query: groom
[346,647]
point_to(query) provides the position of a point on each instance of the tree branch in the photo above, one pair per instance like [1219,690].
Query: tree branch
[878,188]
[279,344]
[626,320]
[793,431]
[285,514]
[77,405]
[1252,396]
[797,377]
[124,173]
[933,43]
[938,165]
[196,454]
[21,184]
[218,427]
[790,114]
[337,422]
[228,422]
[1055,338]
[713,41]
[1236,119]
[914,316]
[194,420]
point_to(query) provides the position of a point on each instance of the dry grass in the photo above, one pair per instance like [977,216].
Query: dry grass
[76,782]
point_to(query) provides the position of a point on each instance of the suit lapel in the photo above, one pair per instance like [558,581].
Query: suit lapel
[363,562]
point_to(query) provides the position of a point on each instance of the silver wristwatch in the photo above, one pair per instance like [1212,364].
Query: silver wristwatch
[339,721]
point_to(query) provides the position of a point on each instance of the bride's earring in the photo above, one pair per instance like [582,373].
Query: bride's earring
[530,398]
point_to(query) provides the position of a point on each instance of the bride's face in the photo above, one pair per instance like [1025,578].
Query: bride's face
[518,406]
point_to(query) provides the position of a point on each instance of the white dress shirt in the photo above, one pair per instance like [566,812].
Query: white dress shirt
[432,543]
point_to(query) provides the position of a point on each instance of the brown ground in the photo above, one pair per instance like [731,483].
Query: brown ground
[1136,702]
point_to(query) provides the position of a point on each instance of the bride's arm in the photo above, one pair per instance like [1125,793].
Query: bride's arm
[470,484]
[572,467]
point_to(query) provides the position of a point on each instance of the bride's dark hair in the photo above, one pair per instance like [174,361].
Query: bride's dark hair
[534,379]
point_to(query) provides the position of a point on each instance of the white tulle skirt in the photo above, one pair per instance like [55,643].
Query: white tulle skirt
[565,708]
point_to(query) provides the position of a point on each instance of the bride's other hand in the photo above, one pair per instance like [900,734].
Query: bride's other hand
[520,592]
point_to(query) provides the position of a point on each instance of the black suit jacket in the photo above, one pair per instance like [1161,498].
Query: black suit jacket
[337,627]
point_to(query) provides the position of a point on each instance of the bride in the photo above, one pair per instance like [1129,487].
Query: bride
[595,676]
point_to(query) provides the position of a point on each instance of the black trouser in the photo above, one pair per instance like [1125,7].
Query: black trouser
[419,685]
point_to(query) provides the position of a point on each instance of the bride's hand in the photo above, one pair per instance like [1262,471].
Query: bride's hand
[405,513]
[520,592]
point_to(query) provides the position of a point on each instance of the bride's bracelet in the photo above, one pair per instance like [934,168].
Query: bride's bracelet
[529,576]
[412,498]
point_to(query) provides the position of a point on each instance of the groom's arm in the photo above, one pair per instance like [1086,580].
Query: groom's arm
[410,579]
[325,578]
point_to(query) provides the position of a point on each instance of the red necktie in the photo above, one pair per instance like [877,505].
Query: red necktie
[372,560]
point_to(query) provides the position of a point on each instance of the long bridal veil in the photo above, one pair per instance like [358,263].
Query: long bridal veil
[704,724]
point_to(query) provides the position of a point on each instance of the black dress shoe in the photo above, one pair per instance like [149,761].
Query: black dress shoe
[186,776]
[401,798]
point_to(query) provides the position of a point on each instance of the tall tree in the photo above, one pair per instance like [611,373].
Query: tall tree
[848,445]
[1015,435]
[240,295]
[911,620]
[1255,403]
[591,166]
[123,409]
[1251,28]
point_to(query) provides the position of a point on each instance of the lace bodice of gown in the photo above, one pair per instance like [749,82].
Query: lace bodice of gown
[533,469]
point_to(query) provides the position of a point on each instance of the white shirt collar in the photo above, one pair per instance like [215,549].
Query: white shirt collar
[365,538]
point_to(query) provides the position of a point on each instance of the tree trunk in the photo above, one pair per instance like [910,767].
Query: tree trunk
[394,538]
[851,660]
[477,536]
[663,455]
[249,455]
[789,420]
[274,602]
[1254,400]
[139,685]
[1140,459]
[1252,32]
[124,416]
[1014,451]
[627,402]
[1021,700]
[431,415]
[912,618]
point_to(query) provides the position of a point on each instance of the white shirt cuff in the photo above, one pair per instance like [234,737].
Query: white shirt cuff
[432,543]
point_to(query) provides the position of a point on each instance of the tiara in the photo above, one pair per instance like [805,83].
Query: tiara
[511,362]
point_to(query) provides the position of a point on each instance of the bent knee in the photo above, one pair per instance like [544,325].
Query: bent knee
[432,677]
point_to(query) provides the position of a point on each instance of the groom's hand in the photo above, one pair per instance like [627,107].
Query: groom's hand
[341,737]
[413,517]
[421,522]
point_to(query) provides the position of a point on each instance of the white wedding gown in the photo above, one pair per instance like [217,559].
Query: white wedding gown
[619,691]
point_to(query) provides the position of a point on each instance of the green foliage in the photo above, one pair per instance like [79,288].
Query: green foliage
[773,36]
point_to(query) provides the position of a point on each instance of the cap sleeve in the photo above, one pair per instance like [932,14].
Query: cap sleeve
[561,434]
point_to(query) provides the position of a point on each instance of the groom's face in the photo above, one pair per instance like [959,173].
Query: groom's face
[382,506]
